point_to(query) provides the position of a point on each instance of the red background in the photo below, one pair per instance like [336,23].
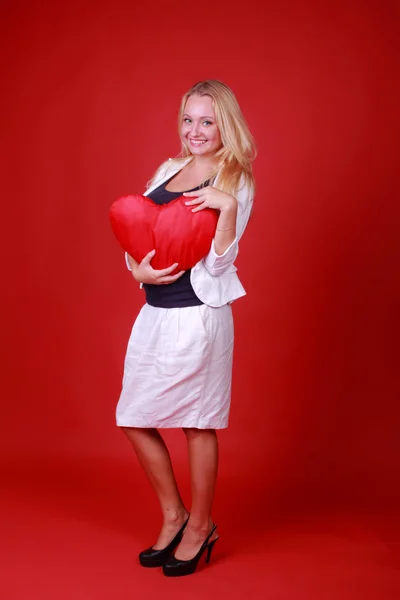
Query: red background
[311,458]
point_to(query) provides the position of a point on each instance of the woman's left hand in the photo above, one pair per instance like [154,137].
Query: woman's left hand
[210,197]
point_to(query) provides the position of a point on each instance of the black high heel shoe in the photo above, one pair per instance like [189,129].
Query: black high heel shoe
[156,558]
[174,567]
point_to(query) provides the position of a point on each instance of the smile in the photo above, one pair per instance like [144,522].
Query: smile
[197,142]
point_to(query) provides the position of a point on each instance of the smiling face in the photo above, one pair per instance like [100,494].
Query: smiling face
[199,130]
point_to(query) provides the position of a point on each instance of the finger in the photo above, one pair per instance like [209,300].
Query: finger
[195,201]
[171,278]
[196,193]
[148,257]
[201,207]
[167,271]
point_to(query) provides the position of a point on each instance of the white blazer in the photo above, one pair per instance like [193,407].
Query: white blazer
[213,278]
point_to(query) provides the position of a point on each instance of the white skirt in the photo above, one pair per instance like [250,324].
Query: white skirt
[178,368]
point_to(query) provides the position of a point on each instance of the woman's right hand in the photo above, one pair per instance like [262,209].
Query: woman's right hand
[144,272]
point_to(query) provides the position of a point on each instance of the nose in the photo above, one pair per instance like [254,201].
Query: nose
[195,131]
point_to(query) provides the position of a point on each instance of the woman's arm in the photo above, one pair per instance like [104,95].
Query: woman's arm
[130,262]
[231,225]
[225,233]
[144,273]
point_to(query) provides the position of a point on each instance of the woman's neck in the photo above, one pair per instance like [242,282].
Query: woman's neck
[203,164]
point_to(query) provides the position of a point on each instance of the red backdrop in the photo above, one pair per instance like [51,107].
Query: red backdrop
[89,107]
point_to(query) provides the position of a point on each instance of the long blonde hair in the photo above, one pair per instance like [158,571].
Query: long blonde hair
[238,150]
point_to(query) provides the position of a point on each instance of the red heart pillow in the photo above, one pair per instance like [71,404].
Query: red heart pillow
[177,234]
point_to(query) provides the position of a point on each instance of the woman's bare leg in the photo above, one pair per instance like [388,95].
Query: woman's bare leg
[154,457]
[203,459]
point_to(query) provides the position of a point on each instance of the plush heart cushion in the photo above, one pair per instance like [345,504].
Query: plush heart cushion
[177,234]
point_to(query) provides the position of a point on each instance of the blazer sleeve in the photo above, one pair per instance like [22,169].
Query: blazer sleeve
[218,264]
[128,266]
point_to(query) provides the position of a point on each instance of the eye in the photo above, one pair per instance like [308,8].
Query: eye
[207,123]
[187,120]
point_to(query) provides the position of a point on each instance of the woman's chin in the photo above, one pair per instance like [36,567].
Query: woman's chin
[202,152]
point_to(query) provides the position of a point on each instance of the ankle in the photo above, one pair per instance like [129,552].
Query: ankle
[202,526]
[175,517]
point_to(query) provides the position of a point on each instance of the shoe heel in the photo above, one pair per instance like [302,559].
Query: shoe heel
[209,550]
[174,567]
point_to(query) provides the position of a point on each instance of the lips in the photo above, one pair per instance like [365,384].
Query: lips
[197,142]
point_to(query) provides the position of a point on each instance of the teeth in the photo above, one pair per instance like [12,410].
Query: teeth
[198,142]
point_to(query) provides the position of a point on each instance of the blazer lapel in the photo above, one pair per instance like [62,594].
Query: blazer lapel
[170,172]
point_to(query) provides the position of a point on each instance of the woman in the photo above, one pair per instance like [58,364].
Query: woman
[178,364]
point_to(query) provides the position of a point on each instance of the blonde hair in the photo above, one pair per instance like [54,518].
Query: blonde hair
[238,150]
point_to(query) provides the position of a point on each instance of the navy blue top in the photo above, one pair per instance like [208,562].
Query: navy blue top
[180,293]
